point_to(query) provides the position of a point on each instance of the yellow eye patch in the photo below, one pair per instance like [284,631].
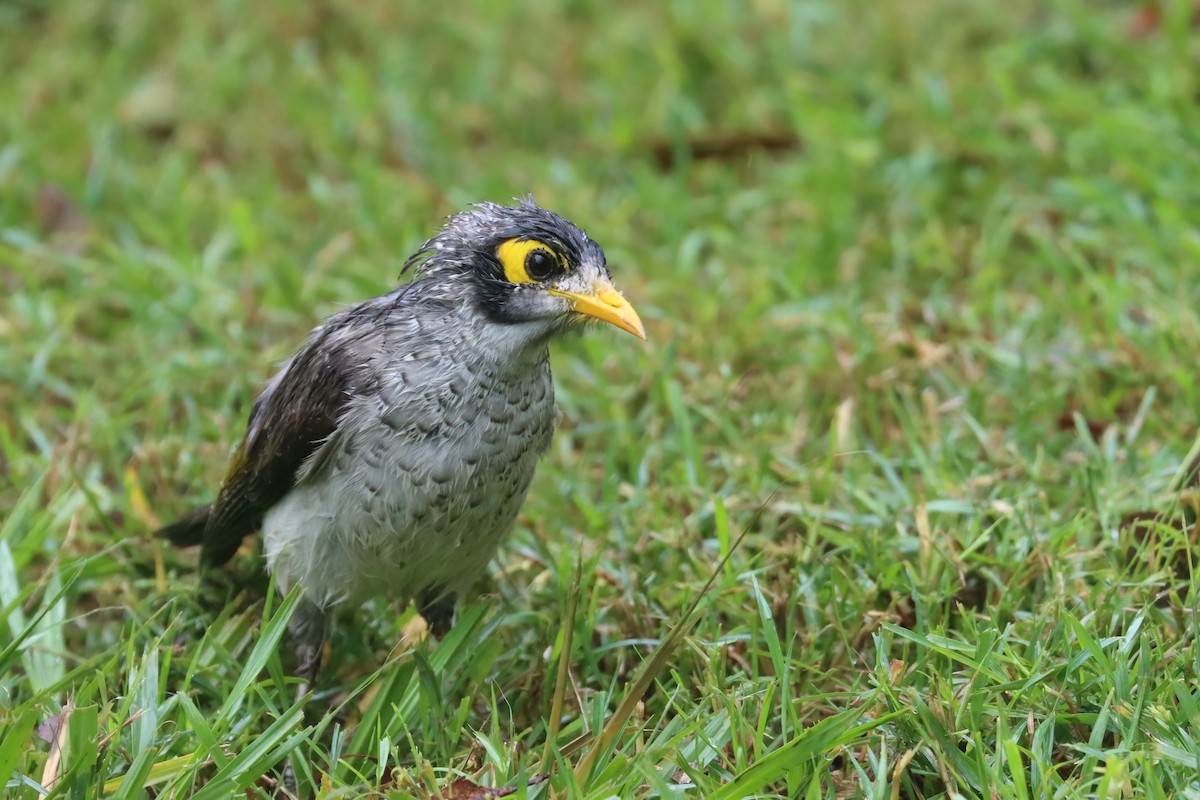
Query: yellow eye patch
[528,261]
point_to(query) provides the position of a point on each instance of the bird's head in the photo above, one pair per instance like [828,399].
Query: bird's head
[526,265]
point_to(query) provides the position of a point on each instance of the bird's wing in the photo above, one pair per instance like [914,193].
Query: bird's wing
[295,417]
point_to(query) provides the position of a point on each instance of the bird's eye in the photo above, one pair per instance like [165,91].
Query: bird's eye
[528,261]
[539,264]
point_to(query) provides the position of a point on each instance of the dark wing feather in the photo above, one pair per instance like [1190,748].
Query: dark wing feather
[294,416]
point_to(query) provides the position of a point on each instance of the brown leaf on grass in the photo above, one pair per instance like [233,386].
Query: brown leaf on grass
[681,778]
[60,219]
[1148,17]
[723,146]
[463,789]
[1145,20]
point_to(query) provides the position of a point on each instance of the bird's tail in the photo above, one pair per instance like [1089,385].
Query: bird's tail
[188,530]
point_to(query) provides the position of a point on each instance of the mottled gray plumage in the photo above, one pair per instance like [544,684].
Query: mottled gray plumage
[391,454]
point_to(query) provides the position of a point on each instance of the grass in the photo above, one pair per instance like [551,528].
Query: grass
[955,327]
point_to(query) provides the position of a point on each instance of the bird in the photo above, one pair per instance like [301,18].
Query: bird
[390,455]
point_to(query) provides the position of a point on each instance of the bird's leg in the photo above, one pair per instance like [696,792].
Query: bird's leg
[309,627]
[438,607]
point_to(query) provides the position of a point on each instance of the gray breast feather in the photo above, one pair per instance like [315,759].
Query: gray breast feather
[419,483]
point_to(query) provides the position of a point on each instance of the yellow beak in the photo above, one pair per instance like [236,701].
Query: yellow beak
[606,304]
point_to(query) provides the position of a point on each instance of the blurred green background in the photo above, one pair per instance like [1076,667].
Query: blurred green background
[932,266]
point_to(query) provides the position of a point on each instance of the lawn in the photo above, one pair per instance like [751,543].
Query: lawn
[921,287]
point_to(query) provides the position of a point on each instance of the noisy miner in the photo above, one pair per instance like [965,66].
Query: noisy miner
[390,455]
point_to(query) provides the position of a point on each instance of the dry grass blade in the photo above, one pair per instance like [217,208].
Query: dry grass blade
[564,660]
[54,731]
[650,669]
